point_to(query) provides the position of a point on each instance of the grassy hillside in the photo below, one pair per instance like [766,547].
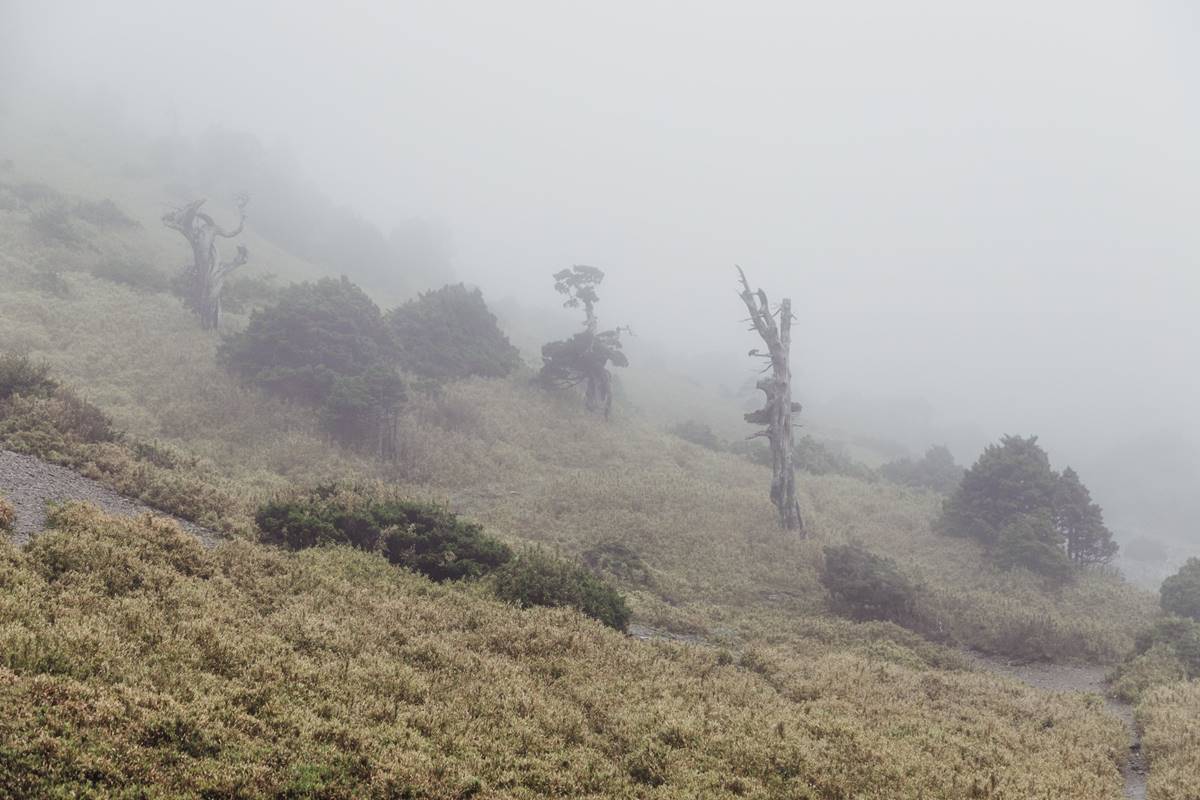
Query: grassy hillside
[131,656]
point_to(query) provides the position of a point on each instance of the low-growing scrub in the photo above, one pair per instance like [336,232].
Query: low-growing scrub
[41,417]
[536,578]
[1157,666]
[1169,717]
[132,661]
[419,536]
[868,586]
[21,375]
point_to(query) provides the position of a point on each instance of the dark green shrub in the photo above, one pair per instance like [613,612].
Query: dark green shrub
[418,536]
[324,344]
[1180,593]
[135,274]
[697,433]
[24,376]
[535,578]
[246,292]
[316,333]
[1029,541]
[1009,479]
[450,334]
[80,419]
[867,586]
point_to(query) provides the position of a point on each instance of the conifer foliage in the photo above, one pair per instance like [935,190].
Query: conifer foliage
[1026,514]
[449,334]
[583,358]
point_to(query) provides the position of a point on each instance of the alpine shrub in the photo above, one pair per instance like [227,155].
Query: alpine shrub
[868,586]
[536,578]
[418,536]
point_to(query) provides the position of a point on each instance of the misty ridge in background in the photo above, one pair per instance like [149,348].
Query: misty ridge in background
[980,234]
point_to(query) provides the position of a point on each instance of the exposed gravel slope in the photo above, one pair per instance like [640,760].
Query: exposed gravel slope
[30,483]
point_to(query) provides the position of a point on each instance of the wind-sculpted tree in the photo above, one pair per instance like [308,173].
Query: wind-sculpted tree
[777,413]
[205,277]
[584,358]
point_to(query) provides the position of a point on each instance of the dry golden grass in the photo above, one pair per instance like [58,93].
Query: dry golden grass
[134,660]
[1170,720]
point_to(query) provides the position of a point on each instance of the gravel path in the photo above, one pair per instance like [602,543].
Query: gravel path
[30,483]
[1088,679]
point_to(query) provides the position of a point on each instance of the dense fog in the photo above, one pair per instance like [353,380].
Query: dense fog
[985,217]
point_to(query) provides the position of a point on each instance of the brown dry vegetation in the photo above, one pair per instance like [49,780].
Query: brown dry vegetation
[1170,718]
[131,656]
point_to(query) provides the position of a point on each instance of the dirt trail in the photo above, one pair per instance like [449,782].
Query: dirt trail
[1089,679]
[30,483]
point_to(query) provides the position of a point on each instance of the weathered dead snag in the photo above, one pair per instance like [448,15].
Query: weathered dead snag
[205,277]
[776,415]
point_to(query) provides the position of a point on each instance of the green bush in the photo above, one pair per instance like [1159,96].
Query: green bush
[1180,593]
[21,375]
[246,292]
[324,344]
[535,578]
[418,536]
[868,586]
[1028,541]
[450,334]
[135,274]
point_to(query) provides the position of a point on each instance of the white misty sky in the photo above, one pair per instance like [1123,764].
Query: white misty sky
[993,206]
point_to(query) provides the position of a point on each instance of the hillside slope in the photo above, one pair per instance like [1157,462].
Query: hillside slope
[131,657]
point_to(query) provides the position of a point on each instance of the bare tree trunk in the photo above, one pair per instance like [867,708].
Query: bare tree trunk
[777,413]
[206,275]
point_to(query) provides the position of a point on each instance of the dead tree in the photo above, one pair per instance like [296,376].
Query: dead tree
[776,415]
[205,277]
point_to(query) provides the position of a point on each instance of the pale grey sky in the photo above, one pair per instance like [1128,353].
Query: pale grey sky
[992,206]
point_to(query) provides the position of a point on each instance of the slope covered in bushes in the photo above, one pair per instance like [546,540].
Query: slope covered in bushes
[130,655]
